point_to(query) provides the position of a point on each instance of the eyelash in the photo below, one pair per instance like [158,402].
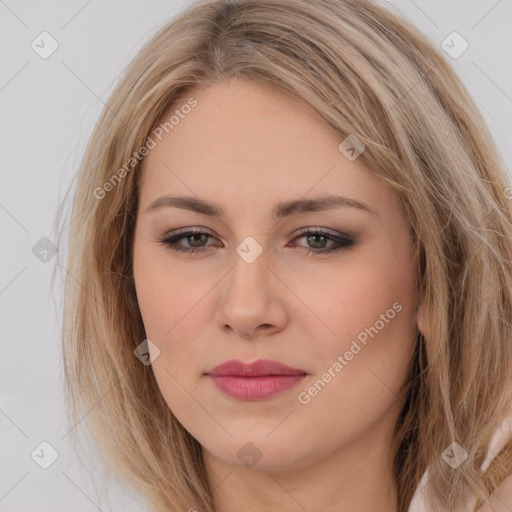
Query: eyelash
[342,241]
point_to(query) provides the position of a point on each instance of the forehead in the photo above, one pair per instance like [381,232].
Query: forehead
[245,142]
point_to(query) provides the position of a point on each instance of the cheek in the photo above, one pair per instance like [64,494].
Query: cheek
[169,299]
[171,311]
[370,309]
[351,297]
[375,350]
[174,307]
[153,296]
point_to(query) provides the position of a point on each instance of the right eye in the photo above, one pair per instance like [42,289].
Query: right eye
[192,236]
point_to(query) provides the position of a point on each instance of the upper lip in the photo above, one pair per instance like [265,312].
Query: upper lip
[257,368]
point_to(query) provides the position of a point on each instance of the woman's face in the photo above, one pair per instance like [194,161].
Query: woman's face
[344,317]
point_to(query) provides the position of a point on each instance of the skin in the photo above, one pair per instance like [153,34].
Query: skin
[247,148]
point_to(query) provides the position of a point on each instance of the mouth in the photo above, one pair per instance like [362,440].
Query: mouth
[259,380]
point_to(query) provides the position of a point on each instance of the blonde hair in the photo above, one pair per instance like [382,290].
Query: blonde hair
[368,73]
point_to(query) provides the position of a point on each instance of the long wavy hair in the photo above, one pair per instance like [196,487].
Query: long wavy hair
[367,72]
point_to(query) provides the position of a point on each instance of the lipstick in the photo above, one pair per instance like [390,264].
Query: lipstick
[259,380]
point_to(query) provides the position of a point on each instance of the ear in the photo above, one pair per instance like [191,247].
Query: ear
[423,320]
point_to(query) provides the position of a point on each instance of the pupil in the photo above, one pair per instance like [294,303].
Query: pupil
[315,236]
[194,237]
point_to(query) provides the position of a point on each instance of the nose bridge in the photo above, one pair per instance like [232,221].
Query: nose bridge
[250,264]
[248,289]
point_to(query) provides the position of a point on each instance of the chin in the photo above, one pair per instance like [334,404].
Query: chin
[259,452]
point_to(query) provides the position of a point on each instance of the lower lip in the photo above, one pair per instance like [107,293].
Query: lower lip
[255,388]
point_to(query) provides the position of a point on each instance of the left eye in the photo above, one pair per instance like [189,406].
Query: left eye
[316,236]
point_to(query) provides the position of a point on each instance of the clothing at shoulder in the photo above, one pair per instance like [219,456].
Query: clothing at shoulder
[501,499]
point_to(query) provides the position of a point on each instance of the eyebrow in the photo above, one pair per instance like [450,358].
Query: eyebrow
[283,209]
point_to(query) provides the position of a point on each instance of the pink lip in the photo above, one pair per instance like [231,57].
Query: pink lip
[258,380]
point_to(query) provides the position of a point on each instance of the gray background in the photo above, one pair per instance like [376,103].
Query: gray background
[47,110]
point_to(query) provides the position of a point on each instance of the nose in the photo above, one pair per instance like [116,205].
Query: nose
[252,301]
